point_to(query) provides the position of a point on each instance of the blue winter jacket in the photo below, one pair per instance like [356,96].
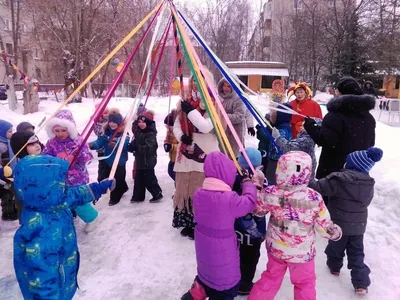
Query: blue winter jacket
[46,256]
[249,229]
[110,152]
[282,123]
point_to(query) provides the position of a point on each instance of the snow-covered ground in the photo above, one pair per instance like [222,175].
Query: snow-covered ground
[136,254]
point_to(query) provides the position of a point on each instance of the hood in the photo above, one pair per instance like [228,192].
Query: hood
[4,127]
[65,119]
[220,90]
[293,170]
[19,139]
[44,191]
[351,103]
[283,118]
[218,165]
[24,126]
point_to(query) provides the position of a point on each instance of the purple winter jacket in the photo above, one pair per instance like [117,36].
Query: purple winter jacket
[78,173]
[217,248]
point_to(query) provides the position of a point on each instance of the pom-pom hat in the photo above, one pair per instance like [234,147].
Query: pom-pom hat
[364,160]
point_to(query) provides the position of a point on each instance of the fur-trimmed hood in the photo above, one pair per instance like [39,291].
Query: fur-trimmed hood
[65,119]
[351,103]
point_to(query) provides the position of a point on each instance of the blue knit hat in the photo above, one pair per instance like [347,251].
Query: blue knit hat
[115,118]
[4,127]
[364,160]
[254,156]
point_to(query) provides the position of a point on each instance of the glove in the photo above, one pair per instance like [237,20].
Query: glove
[251,131]
[258,127]
[258,179]
[101,188]
[186,139]
[5,172]
[186,107]
[167,147]
[132,146]
[197,154]
[275,133]
[309,123]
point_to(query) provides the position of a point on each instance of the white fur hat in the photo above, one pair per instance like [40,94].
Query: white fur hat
[64,119]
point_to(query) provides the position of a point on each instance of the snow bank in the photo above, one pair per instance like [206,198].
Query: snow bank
[136,254]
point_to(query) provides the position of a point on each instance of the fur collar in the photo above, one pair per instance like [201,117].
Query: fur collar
[351,103]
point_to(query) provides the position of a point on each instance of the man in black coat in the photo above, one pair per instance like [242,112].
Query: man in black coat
[347,127]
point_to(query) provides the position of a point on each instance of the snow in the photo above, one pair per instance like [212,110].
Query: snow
[134,253]
[260,71]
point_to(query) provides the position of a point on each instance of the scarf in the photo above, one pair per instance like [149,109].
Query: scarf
[186,125]
[216,185]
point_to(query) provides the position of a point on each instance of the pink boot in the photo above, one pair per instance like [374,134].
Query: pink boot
[196,292]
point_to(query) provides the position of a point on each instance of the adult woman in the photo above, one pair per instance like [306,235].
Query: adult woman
[347,127]
[191,126]
[304,105]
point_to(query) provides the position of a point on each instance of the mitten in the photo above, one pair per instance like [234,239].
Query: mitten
[132,146]
[186,139]
[167,147]
[196,153]
[275,133]
[186,107]
[251,131]
[258,127]
[309,123]
[335,232]
[5,172]
[101,188]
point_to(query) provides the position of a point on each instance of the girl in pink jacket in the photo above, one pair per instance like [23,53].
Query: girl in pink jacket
[296,213]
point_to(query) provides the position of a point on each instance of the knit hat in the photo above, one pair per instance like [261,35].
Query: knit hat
[170,118]
[24,126]
[64,119]
[4,127]
[19,139]
[147,117]
[115,118]
[349,86]
[364,160]
[282,117]
[254,156]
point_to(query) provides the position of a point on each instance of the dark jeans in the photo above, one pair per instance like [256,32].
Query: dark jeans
[120,184]
[103,170]
[354,246]
[145,179]
[220,295]
[171,172]
[7,197]
[249,256]
[270,171]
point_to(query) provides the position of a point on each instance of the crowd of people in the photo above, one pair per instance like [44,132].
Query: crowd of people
[214,203]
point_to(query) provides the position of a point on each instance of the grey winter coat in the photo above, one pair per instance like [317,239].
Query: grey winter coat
[235,110]
[350,193]
[304,143]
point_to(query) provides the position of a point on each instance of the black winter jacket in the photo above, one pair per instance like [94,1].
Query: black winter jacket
[347,127]
[146,147]
[350,193]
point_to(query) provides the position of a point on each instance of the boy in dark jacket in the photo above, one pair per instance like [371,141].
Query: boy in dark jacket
[351,191]
[250,229]
[145,147]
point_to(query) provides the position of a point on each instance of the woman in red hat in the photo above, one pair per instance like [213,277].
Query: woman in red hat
[304,105]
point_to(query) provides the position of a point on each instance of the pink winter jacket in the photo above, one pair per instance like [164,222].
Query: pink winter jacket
[296,211]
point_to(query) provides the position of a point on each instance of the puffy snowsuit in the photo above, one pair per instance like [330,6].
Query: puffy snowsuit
[46,256]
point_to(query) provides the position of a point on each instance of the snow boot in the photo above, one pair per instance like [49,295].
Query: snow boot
[191,234]
[185,231]
[361,291]
[157,198]
[197,292]
[89,227]
[245,288]
[9,217]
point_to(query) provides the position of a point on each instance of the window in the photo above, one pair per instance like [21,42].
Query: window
[267,41]
[24,28]
[36,53]
[9,48]
[7,24]
[266,81]
[397,86]
[245,80]
[38,74]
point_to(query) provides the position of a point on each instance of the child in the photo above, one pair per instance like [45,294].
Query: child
[46,256]
[303,142]
[63,143]
[280,121]
[33,147]
[250,229]
[26,127]
[99,127]
[171,143]
[141,108]
[296,213]
[145,147]
[216,207]
[352,190]
[110,141]
[7,195]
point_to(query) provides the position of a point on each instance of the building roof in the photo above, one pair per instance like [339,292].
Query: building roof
[255,64]
[261,71]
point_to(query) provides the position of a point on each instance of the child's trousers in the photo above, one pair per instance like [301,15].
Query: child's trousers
[249,256]
[145,179]
[200,291]
[354,246]
[302,276]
